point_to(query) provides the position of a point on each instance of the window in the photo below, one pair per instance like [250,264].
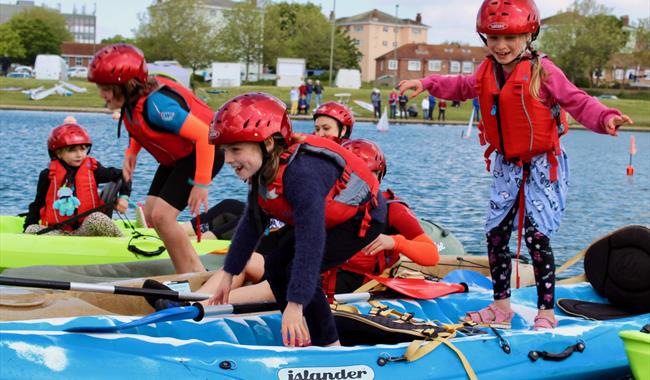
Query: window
[392,64]
[416,31]
[435,65]
[414,66]
[385,29]
[78,61]
[468,67]
[647,75]
[358,28]
[385,43]
[619,74]
[357,42]
[454,67]
[394,43]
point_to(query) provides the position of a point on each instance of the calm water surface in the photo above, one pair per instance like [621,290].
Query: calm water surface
[440,175]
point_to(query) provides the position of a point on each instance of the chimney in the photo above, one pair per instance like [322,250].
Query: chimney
[418,18]
[626,20]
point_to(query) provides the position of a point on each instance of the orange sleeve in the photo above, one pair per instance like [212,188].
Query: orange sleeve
[134,147]
[422,250]
[196,130]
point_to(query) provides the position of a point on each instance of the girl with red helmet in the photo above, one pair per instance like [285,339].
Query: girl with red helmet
[522,97]
[333,120]
[68,187]
[326,195]
[172,124]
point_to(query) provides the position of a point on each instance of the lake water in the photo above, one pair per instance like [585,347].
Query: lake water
[440,175]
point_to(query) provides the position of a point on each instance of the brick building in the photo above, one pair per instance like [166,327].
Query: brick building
[420,60]
[376,33]
[76,54]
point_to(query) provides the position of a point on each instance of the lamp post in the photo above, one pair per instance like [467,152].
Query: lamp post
[395,47]
[333,17]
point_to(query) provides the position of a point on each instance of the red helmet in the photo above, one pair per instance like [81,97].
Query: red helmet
[369,152]
[67,135]
[508,17]
[250,117]
[338,112]
[118,64]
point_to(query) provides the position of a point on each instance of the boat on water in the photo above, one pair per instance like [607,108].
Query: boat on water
[21,250]
[249,346]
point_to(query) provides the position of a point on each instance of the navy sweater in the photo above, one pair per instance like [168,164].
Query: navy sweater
[306,181]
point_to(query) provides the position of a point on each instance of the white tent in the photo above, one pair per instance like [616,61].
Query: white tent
[226,74]
[50,67]
[172,70]
[290,72]
[346,78]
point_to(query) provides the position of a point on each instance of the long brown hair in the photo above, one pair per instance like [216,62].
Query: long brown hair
[132,91]
[270,168]
[538,74]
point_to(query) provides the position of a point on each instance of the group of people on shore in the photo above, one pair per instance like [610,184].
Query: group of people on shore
[314,212]
[300,97]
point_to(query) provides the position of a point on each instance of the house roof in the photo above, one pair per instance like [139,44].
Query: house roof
[75,48]
[378,16]
[448,51]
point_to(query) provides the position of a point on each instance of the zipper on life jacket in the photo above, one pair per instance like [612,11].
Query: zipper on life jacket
[495,109]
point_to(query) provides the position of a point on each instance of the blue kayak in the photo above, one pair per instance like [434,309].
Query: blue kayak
[249,347]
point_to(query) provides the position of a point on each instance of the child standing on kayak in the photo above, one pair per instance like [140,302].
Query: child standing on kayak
[171,123]
[324,193]
[522,95]
[68,187]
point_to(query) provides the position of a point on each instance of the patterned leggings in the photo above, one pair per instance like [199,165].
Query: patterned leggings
[95,224]
[540,250]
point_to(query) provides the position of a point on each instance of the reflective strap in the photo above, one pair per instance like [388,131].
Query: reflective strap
[420,348]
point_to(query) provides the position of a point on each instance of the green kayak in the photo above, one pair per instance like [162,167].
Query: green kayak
[637,348]
[22,250]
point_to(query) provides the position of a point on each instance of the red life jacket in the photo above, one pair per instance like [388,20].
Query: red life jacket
[342,202]
[85,189]
[364,264]
[513,122]
[165,147]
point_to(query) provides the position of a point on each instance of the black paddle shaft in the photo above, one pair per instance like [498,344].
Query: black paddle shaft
[61,285]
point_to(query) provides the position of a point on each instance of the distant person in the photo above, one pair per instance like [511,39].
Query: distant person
[309,89]
[302,105]
[318,91]
[425,108]
[432,106]
[392,102]
[477,109]
[455,103]
[5,62]
[68,187]
[294,97]
[172,124]
[523,126]
[442,108]
[302,89]
[375,98]
[403,101]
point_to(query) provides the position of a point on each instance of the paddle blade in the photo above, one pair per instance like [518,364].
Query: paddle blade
[419,288]
[468,277]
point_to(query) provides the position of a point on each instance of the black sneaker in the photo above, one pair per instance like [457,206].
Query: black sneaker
[159,303]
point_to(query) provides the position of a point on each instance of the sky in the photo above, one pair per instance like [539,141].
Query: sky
[450,20]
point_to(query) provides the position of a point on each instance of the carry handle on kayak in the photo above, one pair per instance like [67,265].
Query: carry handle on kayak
[534,355]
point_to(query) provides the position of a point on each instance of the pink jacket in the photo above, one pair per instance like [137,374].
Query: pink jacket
[555,88]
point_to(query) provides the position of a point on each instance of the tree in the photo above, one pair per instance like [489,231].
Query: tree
[118,38]
[241,39]
[10,44]
[177,30]
[642,51]
[582,40]
[294,30]
[41,31]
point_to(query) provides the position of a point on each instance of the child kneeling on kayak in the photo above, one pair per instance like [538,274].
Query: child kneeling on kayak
[68,187]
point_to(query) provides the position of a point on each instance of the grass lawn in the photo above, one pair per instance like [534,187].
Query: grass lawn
[638,110]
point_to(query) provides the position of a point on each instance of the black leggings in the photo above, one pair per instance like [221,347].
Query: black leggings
[342,242]
[540,250]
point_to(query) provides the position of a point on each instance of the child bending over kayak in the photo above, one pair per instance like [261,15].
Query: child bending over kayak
[522,95]
[326,195]
[68,187]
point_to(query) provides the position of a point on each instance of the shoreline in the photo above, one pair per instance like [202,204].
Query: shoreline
[9,107]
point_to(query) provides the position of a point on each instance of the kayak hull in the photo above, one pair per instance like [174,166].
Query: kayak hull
[22,250]
[248,347]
